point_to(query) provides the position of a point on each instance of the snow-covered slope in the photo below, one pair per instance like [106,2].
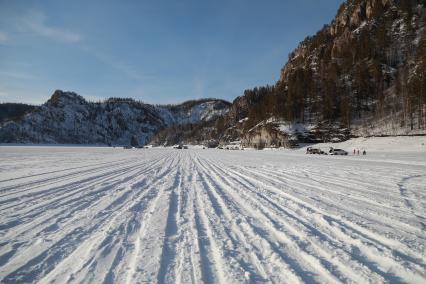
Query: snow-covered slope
[387,145]
[104,215]
[194,111]
[68,118]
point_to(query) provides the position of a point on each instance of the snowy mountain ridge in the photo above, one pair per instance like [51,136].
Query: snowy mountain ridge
[68,118]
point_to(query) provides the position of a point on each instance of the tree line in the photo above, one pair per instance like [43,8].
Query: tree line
[355,74]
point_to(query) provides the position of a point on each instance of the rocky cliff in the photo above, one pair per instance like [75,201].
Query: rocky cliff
[367,65]
[364,72]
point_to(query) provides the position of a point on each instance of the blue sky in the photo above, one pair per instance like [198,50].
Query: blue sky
[156,51]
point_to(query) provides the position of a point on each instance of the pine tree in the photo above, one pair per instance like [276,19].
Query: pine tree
[134,141]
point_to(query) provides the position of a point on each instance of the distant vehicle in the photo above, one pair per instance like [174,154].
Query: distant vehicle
[338,152]
[318,151]
[180,146]
[232,147]
[212,144]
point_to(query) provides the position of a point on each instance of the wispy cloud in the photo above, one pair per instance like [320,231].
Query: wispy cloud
[198,87]
[35,22]
[16,75]
[128,70]
[3,38]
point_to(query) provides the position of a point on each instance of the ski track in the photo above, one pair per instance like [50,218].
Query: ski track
[101,215]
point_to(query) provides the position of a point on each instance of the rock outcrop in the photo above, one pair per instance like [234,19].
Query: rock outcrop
[362,74]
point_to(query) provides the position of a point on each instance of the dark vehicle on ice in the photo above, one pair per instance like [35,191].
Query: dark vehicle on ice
[318,151]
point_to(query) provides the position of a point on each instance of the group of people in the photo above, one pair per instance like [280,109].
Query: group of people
[356,152]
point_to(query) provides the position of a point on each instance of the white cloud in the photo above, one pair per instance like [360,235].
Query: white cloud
[35,22]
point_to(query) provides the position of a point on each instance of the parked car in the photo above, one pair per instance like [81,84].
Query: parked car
[338,152]
[318,151]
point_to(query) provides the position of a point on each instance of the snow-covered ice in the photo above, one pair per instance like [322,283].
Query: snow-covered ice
[183,216]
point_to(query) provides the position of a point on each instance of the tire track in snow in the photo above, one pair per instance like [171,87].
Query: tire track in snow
[120,250]
[195,216]
[292,255]
[371,261]
[153,232]
[384,242]
[52,180]
[78,232]
[297,229]
[61,201]
[230,240]
[410,198]
[76,183]
[349,198]
[91,166]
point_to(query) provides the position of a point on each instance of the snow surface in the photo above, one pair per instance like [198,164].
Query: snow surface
[73,214]
[391,145]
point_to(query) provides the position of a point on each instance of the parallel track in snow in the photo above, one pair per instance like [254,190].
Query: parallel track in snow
[96,215]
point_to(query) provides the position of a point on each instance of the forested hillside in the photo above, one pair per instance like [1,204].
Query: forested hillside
[68,118]
[14,111]
[366,71]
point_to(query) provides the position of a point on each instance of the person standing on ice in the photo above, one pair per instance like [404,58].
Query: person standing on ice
[354,152]
[364,152]
[358,152]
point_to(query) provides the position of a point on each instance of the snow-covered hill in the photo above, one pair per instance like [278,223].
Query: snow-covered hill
[193,111]
[68,118]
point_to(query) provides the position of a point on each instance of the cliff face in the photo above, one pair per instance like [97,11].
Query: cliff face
[365,71]
[384,30]
[68,118]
